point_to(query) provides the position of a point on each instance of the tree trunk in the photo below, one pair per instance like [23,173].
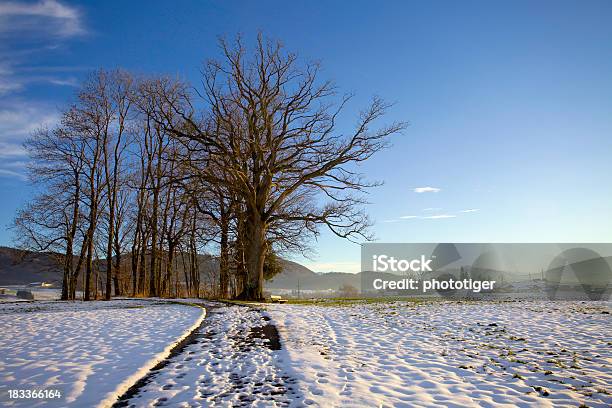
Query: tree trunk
[195,270]
[186,275]
[153,265]
[67,270]
[134,260]
[194,267]
[255,256]
[77,270]
[143,265]
[224,260]
[89,263]
[109,252]
[169,269]
[96,282]
[136,249]
[73,285]
[66,276]
[66,282]
[116,282]
[118,291]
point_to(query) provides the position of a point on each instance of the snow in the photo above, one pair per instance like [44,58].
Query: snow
[228,364]
[449,353]
[90,351]
[37,292]
[351,354]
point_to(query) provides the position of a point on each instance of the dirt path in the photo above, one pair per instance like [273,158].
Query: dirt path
[232,359]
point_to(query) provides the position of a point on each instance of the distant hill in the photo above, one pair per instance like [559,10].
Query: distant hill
[19,267]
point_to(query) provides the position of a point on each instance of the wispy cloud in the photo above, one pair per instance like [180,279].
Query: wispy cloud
[420,217]
[17,121]
[427,189]
[12,174]
[439,216]
[29,30]
[12,83]
[46,17]
[341,266]
[63,82]
[11,150]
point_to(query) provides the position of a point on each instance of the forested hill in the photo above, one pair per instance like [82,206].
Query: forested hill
[19,267]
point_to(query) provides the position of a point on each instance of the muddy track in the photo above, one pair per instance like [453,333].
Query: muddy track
[277,387]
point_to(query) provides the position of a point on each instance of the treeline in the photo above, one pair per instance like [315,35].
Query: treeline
[142,171]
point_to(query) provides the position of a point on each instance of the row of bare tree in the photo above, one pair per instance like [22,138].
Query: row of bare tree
[142,174]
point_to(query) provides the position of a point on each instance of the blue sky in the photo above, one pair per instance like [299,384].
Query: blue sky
[509,102]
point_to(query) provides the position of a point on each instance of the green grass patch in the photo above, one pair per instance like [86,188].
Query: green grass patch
[358,301]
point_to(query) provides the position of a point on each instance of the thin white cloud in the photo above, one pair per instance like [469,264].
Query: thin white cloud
[12,174]
[11,150]
[19,164]
[351,267]
[439,216]
[14,83]
[27,30]
[46,17]
[427,189]
[17,121]
[433,217]
[30,29]
[428,217]
[63,82]
[8,86]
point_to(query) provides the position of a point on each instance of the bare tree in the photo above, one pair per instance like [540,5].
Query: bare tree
[252,165]
[52,220]
[271,126]
[117,99]
[91,118]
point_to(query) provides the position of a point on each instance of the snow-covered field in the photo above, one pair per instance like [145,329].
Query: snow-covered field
[89,351]
[399,354]
[450,354]
[37,292]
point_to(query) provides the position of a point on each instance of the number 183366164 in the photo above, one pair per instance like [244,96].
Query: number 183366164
[34,394]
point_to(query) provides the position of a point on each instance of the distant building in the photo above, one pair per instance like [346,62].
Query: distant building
[25,294]
[40,284]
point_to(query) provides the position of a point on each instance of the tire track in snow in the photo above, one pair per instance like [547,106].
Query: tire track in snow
[232,360]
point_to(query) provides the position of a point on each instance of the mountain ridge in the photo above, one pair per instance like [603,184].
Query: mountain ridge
[21,267]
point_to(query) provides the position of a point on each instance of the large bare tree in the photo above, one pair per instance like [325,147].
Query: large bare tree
[270,124]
